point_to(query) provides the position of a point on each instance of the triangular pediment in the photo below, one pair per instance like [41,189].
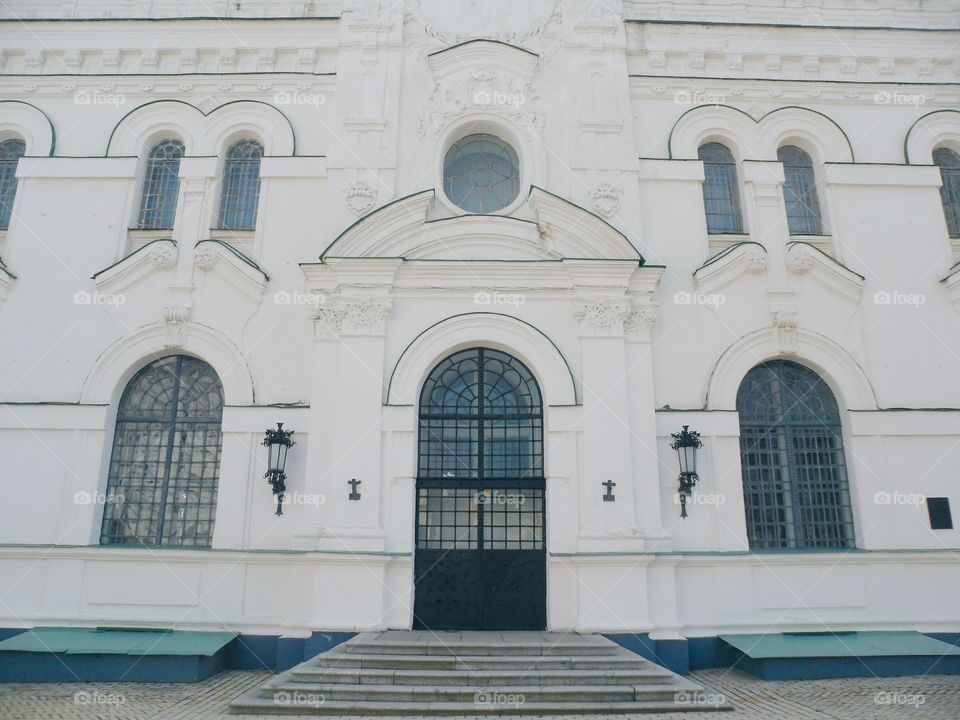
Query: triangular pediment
[558,230]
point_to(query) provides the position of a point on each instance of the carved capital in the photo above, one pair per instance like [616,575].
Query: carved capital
[602,317]
[352,317]
[639,322]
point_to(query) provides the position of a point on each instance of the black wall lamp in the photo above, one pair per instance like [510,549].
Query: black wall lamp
[686,443]
[278,442]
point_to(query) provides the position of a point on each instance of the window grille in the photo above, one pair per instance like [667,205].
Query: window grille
[241,186]
[721,192]
[162,484]
[481,174]
[800,191]
[161,185]
[949,162]
[791,451]
[10,153]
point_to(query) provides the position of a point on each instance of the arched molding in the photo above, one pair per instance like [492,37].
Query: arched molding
[203,134]
[562,229]
[941,127]
[834,364]
[494,330]
[122,360]
[713,123]
[809,130]
[30,124]
[752,139]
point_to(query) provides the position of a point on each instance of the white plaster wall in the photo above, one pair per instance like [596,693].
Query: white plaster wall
[377,107]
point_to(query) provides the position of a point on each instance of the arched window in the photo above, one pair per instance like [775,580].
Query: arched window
[949,162]
[162,487]
[481,174]
[799,191]
[791,450]
[241,186]
[10,153]
[721,192]
[161,184]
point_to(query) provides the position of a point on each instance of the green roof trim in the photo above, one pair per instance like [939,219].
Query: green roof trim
[130,255]
[249,261]
[839,644]
[117,641]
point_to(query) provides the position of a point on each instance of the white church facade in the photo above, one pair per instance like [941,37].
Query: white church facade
[485,264]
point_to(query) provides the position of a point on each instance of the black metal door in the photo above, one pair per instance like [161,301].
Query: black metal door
[481,553]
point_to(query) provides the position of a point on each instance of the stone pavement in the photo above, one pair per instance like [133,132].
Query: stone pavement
[934,697]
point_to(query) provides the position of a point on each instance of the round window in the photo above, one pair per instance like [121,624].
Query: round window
[481,174]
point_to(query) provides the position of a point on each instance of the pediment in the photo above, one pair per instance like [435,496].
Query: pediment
[559,230]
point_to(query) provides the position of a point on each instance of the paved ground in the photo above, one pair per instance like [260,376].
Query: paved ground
[928,698]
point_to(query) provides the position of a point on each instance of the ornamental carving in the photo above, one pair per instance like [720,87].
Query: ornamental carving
[359,197]
[638,323]
[481,89]
[607,199]
[755,260]
[785,323]
[800,259]
[602,317]
[205,256]
[348,317]
[176,318]
[162,254]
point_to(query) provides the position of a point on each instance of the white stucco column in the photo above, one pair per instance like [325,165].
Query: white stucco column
[643,428]
[605,428]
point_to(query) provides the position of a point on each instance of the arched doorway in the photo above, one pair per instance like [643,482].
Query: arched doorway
[480,560]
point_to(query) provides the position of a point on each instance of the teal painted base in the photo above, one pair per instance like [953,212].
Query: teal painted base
[86,655]
[806,656]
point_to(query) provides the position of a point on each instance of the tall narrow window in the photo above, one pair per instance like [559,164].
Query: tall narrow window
[721,193]
[161,184]
[241,186]
[800,191]
[162,487]
[949,162]
[791,452]
[10,153]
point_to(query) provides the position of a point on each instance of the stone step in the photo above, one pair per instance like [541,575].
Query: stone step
[294,705]
[462,648]
[622,660]
[481,678]
[472,694]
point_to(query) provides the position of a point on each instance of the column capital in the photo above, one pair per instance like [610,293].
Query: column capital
[342,316]
[602,317]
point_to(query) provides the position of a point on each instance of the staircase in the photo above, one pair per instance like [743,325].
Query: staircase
[475,673]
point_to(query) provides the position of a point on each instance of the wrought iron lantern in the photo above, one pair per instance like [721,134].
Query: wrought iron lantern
[278,442]
[686,443]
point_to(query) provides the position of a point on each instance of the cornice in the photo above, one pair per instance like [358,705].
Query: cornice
[232,265]
[803,258]
[727,265]
[156,255]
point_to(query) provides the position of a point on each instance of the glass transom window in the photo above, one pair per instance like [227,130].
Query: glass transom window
[481,174]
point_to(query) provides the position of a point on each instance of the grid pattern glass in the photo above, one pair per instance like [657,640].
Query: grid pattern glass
[480,474]
[949,162]
[10,153]
[481,174]
[800,191]
[791,450]
[721,196]
[241,186]
[161,184]
[481,417]
[162,487]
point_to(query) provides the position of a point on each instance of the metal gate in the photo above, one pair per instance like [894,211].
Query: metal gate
[480,560]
